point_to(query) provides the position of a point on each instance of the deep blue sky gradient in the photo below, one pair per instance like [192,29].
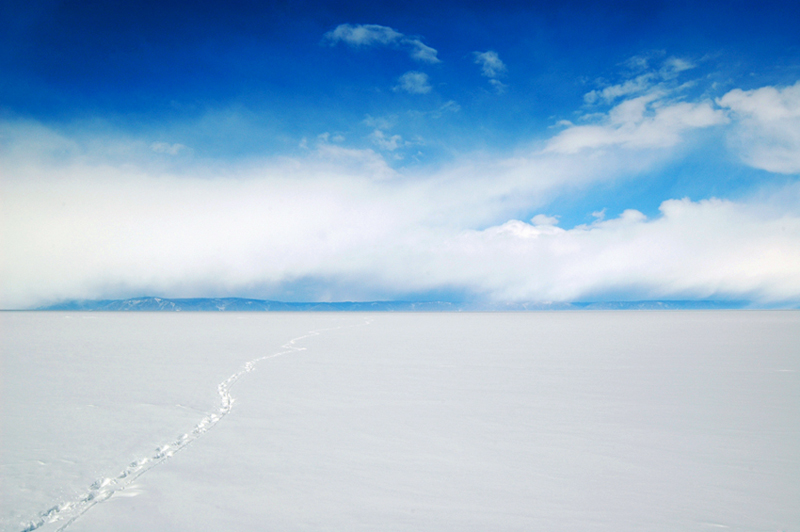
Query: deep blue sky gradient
[162,60]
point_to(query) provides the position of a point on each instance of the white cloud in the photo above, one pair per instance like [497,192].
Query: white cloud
[641,62]
[647,121]
[450,106]
[379,122]
[498,85]
[674,66]
[705,249]
[167,148]
[490,63]
[632,86]
[327,137]
[414,82]
[386,142]
[364,35]
[422,52]
[543,219]
[767,132]
[492,67]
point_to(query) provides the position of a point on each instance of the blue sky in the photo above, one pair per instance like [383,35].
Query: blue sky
[354,151]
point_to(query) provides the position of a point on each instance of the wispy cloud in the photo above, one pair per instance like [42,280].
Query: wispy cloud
[647,111]
[491,67]
[167,148]
[414,82]
[498,85]
[673,66]
[365,35]
[385,141]
[450,106]
[379,122]
[422,52]
[648,121]
[647,80]
[631,86]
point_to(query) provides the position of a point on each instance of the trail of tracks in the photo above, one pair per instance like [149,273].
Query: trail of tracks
[102,489]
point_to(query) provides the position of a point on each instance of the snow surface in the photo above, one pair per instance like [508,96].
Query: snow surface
[613,421]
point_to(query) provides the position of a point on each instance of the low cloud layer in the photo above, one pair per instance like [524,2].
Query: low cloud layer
[340,223]
[707,249]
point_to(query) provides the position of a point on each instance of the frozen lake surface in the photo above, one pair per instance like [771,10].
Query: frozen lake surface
[569,421]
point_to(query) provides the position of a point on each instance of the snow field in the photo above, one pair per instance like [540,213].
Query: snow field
[568,421]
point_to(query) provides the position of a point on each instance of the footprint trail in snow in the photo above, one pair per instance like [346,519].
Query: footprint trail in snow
[102,489]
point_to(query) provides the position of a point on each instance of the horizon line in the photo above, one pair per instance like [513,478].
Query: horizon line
[233,304]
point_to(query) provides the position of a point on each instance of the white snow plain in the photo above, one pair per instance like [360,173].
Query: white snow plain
[573,421]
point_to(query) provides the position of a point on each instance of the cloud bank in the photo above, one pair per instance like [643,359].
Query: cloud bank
[339,223]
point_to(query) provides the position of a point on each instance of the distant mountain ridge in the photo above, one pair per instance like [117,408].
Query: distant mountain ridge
[236,304]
